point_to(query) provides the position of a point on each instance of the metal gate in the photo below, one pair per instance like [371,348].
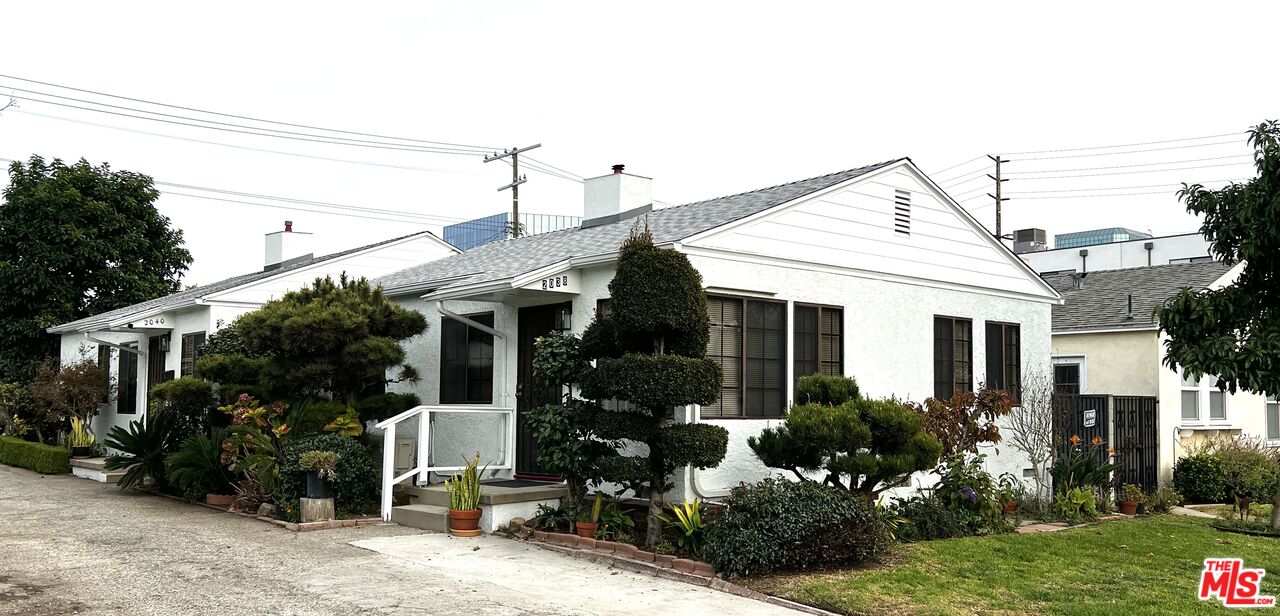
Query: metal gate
[1083,415]
[1135,441]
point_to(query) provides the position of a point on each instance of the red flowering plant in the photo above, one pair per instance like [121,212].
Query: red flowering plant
[253,447]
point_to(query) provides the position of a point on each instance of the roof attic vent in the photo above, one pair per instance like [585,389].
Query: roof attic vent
[902,212]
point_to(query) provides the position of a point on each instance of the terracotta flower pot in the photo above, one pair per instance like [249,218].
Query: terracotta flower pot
[1128,507]
[219,500]
[1010,506]
[586,529]
[464,523]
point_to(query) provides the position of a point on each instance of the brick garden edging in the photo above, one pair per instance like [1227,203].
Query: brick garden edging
[297,527]
[630,558]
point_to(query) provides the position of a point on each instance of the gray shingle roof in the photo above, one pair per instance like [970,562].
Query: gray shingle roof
[182,298]
[1102,300]
[509,258]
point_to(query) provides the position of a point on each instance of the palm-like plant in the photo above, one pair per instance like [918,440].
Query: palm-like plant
[688,519]
[140,449]
[197,465]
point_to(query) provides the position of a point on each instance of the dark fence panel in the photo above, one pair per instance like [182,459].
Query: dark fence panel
[1135,442]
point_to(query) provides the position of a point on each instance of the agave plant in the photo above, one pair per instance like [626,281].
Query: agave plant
[197,465]
[141,450]
[464,487]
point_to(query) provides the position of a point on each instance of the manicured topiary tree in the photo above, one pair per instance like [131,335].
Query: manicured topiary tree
[650,351]
[864,446]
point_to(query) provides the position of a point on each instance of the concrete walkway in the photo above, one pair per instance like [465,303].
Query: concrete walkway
[571,583]
[72,546]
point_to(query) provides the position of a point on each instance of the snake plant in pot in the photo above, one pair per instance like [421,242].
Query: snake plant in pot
[464,499]
[586,526]
[80,439]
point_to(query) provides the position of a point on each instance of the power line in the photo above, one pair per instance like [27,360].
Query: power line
[981,173]
[1168,162]
[1176,147]
[1127,145]
[941,171]
[292,208]
[1021,192]
[1090,175]
[240,117]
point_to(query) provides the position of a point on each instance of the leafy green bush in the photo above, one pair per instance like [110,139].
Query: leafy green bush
[971,494]
[378,408]
[1200,478]
[196,467]
[44,459]
[1076,505]
[355,489]
[781,525]
[193,403]
[142,449]
[928,518]
[1162,500]
[827,390]
[1250,473]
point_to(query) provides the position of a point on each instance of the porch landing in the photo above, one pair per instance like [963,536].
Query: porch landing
[428,507]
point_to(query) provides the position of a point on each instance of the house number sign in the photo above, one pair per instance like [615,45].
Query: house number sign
[153,321]
[555,282]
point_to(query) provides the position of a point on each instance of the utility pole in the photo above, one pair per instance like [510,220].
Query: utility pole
[516,181]
[999,196]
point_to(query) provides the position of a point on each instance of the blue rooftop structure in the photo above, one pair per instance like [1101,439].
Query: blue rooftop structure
[1092,237]
[481,231]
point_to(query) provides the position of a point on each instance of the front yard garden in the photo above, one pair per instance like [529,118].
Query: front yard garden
[1149,565]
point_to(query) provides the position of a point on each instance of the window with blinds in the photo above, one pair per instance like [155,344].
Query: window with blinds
[952,356]
[819,345]
[466,361]
[191,344]
[748,341]
[1004,357]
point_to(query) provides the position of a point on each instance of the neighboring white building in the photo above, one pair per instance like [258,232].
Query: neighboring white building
[1143,252]
[875,273]
[156,340]
[1106,341]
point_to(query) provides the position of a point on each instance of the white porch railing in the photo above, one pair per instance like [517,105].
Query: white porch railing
[422,464]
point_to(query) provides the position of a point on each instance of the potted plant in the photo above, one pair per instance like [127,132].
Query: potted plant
[464,499]
[321,467]
[587,528]
[80,440]
[1130,496]
[1009,489]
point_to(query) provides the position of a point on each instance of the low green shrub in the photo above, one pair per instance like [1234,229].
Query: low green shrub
[41,458]
[781,525]
[196,467]
[1162,500]
[928,518]
[1200,478]
[192,401]
[972,495]
[355,489]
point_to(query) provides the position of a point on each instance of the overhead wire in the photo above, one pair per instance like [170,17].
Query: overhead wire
[1168,162]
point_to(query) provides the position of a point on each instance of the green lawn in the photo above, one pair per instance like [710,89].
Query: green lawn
[1149,565]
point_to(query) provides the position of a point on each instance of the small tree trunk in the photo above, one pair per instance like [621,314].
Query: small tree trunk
[1275,509]
[657,479]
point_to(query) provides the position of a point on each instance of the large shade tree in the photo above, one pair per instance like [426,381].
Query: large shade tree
[1234,332]
[76,240]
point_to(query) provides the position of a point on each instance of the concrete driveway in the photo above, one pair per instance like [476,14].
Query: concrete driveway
[71,546]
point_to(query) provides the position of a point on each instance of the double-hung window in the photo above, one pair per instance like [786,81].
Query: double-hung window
[748,341]
[819,340]
[1202,397]
[466,361]
[1273,420]
[127,382]
[952,356]
[1004,357]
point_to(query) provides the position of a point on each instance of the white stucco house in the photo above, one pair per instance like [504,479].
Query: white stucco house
[1106,341]
[873,272]
[155,341]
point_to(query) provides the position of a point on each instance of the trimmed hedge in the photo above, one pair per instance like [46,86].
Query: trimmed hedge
[654,382]
[355,490]
[41,458]
[780,525]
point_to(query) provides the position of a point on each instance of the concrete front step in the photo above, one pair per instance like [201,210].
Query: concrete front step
[95,469]
[96,464]
[437,495]
[426,517]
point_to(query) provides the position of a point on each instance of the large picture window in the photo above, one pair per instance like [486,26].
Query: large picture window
[952,356]
[819,340]
[1004,357]
[748,341]
[466,361]
[190,346]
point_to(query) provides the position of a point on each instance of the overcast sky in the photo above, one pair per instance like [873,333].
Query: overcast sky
[706,98]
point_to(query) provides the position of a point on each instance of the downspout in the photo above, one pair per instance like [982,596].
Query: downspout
[692,474]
